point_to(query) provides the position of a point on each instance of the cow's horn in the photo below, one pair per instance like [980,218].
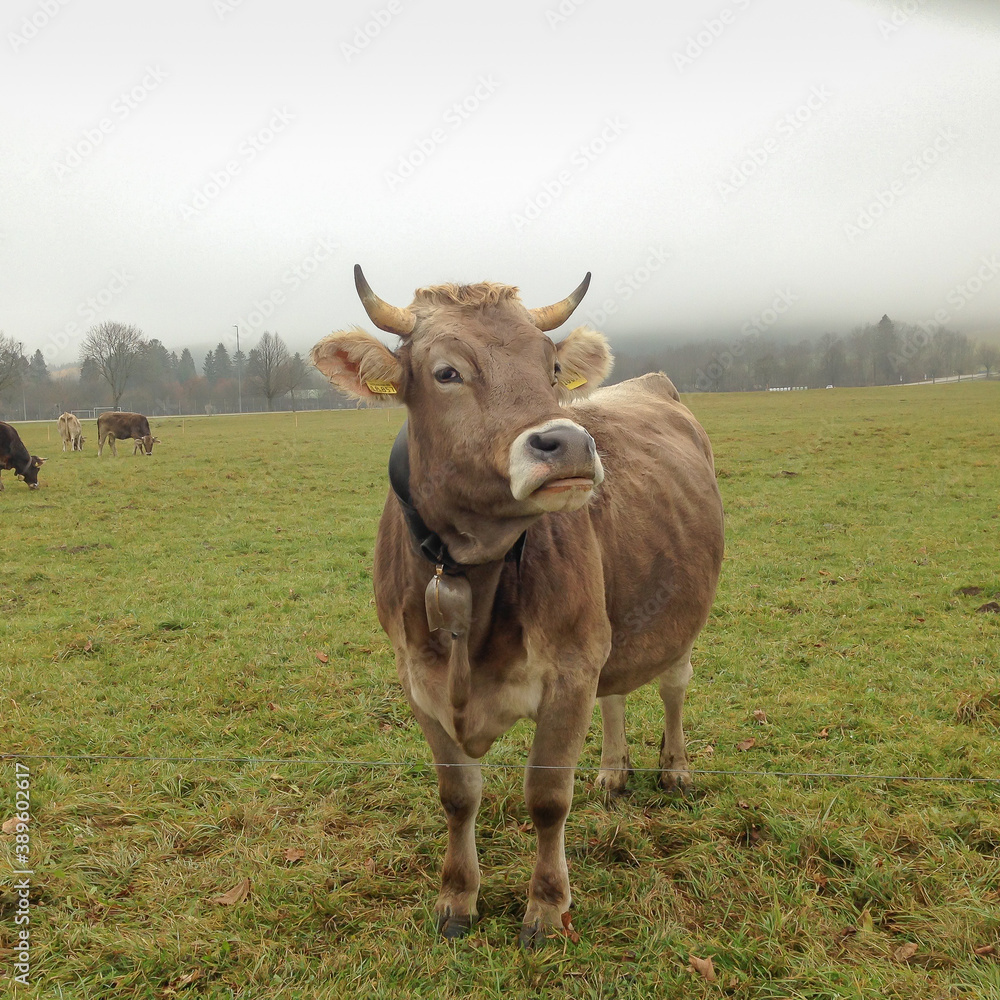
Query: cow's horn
[384,316]
[549,317]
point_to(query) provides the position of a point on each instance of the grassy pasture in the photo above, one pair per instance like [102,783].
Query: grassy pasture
[175,607]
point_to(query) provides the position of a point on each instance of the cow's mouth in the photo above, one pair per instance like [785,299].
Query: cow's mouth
[564,485]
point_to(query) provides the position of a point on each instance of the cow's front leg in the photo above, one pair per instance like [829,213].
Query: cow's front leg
[548,792]
[460,788]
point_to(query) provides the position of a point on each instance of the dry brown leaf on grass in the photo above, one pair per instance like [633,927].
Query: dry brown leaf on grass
[702,966]
[11,825]
[294,854]
[322,657]
[760,715]
[237,894]
[824,732]
[905,952]
[188,978]
[746,744]
[987,949]
[707,750]
[568,928]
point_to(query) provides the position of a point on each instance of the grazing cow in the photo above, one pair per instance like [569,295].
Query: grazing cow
[70,431]
[122,426]
[535,553]
[13,455]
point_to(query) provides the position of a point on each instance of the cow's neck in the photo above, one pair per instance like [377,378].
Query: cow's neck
[431,545]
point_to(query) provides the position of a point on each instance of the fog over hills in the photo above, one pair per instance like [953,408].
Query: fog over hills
[204,166]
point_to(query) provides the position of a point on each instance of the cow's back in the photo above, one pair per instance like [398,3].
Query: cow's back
[658,518]
[10,444]
[123,425]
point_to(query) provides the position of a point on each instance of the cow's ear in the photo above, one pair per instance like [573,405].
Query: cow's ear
[38,462]
[585,361]
[358,364]
[156,440]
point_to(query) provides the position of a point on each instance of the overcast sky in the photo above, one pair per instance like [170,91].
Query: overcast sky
[199,164]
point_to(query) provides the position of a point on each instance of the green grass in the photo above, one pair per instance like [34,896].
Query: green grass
[174,607]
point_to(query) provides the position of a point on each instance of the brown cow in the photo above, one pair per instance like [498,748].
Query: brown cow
[122,426]
[70,431]
[13,455]
[535,553]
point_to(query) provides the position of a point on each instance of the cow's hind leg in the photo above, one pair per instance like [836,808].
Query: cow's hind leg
[460,788]
[674,774]
[615,766]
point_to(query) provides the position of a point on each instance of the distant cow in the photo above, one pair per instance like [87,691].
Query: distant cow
[70,431]
[13,455]
[122,426]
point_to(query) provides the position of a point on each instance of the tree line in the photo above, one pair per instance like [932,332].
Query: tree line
[883,353]
[119,366]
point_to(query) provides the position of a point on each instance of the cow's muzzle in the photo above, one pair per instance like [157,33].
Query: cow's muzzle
[554,466]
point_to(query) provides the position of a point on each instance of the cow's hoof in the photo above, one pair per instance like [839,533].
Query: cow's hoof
[675,782]
[532,936]
[452,926]
[613,782]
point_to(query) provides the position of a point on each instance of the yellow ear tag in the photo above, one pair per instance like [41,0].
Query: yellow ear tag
[382,388]
[574,382]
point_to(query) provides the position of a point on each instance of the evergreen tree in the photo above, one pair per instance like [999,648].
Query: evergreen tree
[223,363]
[38,370]
[90,382]
[296,374]
[208,368]
[185,367]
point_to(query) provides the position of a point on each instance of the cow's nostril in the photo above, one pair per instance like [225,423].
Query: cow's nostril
[545,443]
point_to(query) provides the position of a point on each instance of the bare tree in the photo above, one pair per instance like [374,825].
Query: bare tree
[297,373]
[10,362]
[988,355]
[267,364]
[115,348]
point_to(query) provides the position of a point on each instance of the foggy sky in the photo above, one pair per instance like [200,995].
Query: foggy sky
[192,166]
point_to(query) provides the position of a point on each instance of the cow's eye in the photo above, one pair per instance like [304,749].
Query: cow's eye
[447,375]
